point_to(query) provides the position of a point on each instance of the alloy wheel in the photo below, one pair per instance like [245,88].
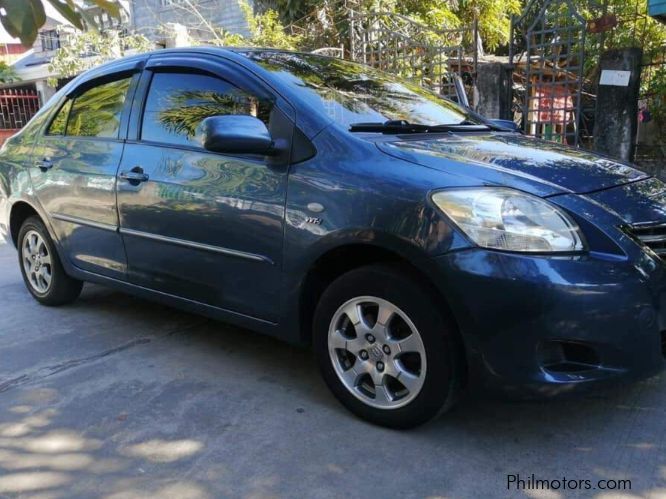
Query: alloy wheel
[37,262]
[377,352]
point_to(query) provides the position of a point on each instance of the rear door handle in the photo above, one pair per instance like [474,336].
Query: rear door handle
[44,164]
[135,176]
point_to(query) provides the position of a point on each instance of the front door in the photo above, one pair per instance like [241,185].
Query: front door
[74,175]
[197,224]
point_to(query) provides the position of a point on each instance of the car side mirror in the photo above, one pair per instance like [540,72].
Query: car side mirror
[237,134]
[506,124]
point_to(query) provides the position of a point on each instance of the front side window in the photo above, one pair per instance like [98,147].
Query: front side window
[97,111]
[177,103]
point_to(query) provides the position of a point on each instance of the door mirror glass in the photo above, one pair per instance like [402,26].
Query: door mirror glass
[236,134]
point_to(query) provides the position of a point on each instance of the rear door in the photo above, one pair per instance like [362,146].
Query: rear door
[197,224]
[74,175]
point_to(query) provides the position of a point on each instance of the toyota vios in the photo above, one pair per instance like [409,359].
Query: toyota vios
[415,245]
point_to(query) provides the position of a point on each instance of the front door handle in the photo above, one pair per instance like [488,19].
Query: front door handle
[135,176]
[44,164]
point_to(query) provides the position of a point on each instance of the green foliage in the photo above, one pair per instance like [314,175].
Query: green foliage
[266,30]
[494,16]
[82,50]
[23,18]
[7,73]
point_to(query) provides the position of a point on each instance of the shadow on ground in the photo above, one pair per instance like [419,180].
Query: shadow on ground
[118,397]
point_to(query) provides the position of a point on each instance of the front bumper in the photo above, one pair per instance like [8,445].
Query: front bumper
[556,324]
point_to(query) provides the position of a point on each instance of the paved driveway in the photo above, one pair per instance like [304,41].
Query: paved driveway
[115,396]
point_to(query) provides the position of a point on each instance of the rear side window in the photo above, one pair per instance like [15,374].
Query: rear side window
[177,103]
[57,126]
[97,111]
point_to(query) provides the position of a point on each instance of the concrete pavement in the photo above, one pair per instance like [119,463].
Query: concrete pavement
[119,397]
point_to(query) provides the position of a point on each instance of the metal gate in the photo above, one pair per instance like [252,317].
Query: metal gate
[547,52]
[17,106]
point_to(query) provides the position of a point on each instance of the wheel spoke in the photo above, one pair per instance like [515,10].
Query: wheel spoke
[351,376]
[409,381]
[46,275]
[337,340]
[384,315]
[382,395]
[33,244]
[41,249]
[411,343]
[377,377]
[357,344]
[352,311]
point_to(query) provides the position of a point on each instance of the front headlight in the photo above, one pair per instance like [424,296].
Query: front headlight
[506,219]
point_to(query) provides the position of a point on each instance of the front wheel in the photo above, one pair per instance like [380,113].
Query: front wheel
[41,268]
[385,348]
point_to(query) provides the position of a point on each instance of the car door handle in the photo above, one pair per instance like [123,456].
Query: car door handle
[135,176]
[44,164]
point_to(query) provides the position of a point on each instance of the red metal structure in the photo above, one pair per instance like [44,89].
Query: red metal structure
[17,106]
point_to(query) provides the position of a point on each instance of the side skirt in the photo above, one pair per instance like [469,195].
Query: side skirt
[224,315]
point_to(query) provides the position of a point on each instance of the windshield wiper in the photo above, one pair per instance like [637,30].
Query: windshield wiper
[402,126]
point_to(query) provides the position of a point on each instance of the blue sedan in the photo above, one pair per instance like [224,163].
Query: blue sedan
[415,245]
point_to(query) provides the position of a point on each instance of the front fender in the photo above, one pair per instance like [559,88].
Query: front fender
[298,265]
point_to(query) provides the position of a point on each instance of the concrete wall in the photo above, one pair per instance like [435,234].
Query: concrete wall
[494,86]
[616,113]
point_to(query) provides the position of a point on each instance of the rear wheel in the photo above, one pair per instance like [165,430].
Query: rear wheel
[40,265]
[385,348]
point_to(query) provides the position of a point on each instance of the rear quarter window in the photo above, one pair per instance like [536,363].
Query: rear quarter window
[97,111]
[57,126]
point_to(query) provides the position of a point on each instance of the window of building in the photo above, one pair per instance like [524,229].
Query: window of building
[50,40]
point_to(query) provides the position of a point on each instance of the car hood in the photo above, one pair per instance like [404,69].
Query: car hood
[638,202]
[512,160]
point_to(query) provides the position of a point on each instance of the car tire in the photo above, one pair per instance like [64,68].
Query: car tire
[407,371]
[41,268]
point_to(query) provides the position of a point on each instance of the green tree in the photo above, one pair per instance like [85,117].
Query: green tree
[494,16]
[23,18]
[83,50]
[266,30]
[7,73]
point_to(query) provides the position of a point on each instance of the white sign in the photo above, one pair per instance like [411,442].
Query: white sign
[615,77]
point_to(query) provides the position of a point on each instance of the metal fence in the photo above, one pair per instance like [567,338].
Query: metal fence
[17,106]
[548,40]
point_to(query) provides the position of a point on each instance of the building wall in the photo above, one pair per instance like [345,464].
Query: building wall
[148,15]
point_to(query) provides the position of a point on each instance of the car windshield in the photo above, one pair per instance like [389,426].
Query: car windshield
[351,93]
